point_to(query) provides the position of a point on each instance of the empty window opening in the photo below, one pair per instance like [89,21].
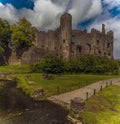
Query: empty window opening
[73,37]
[108,45]
[79,49]
[98,42]
[63,41]
[72,43]
[42,46]
[109,54]
[72,51]
[88,46]
[99,52]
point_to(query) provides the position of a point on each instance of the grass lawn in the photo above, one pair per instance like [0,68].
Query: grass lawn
[60,83]
[103,108]
[15,68]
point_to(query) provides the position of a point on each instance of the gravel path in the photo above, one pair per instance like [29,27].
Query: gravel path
[84,93]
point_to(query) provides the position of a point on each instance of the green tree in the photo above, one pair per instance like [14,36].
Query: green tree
[84,64]
[4,41]
[22,35]
[52,65]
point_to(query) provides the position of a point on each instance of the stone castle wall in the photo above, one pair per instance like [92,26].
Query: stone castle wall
[70,43]
[93,43]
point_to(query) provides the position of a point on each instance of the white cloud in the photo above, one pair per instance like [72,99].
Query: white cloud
[112,3]
[95,9]
[8,12]
[46,14]
[85,9]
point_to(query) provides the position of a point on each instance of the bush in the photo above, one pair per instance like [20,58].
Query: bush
[84,64]
[37,67]
[53,65]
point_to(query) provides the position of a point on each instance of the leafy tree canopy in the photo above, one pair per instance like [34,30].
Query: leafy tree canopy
[4,35]
[52,65]
[22,34]
[84,64]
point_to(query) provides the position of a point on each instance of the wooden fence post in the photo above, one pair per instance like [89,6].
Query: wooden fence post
[111,82]
[94,91]
[86,95]
[101,88]
[106,84]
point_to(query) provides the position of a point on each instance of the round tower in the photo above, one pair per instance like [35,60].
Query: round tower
[103,28]
[65,35]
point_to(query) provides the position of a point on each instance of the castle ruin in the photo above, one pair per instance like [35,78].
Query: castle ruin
[69,43]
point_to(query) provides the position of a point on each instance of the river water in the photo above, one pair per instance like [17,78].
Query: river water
[18,108]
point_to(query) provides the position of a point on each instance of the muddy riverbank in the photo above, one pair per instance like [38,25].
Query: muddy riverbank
[18,108]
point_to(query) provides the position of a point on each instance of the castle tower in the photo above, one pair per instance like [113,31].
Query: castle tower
[65,35]
[110,44]
[103,28]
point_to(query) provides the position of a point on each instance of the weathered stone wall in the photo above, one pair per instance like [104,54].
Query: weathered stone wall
[70,43]
[82,42]
[13,59]
[93,43]
[35,54]
[47,40]
[77,105]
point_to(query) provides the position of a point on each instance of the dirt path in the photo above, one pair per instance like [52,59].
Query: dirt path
[18,108]
[84,93]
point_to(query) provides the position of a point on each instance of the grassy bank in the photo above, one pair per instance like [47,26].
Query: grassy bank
[59,84]
[103,108]
[15,68]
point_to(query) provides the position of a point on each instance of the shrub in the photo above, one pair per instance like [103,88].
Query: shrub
[53,65]
[84,64]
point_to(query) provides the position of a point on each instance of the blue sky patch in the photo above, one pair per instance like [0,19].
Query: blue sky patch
[18,4]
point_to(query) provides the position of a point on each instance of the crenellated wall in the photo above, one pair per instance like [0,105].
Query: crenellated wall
[92,43]
[70,43]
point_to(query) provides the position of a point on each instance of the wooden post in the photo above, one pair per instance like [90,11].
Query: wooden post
[106,84]
[101,88]
[86,95]
[111,82]
[94,91]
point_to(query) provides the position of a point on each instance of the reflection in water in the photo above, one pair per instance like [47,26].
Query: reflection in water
[18,108]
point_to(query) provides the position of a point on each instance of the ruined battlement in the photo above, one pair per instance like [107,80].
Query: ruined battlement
[70,43]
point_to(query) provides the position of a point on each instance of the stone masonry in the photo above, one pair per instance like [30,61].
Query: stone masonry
[68,43]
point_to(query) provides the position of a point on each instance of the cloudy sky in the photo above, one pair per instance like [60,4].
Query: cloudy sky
[45,14]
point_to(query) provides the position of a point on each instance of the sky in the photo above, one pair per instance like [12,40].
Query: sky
[45,14]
